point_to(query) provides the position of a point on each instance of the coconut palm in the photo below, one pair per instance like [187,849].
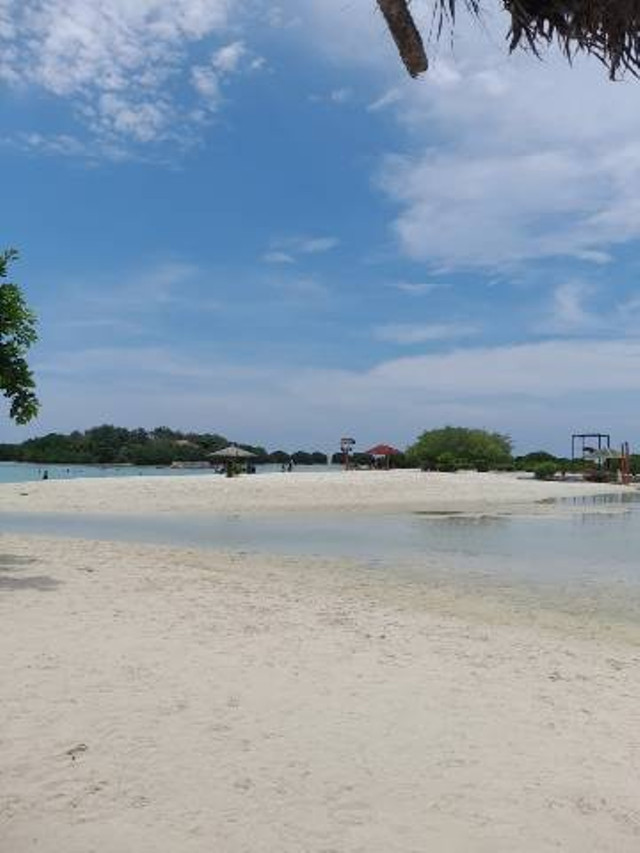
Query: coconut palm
[606,29]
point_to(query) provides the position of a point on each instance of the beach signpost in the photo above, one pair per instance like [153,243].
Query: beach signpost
[345,446]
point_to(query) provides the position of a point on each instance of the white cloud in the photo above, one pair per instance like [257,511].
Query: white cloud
[59,144]
[276,257]
[416,333]
[120,63]
[494,209]
[285,251]
[418,288]
[336,96]
[573,310]
[134,361]
[279,18]
[387,99]
[144,291]
[227,59]
[225,62]
[257,63]
[141,122]
[568,313]
[547,369]
[348,33]
[316,245]
[206,82]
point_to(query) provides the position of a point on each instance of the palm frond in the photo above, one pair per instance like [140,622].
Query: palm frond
[606,29]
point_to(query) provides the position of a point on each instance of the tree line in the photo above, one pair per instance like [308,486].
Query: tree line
[446,449]
[112,445]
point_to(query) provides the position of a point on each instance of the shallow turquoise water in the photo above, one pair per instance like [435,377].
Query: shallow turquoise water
[579,550]
[23,472]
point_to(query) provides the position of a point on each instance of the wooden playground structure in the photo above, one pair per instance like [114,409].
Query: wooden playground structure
[607,464]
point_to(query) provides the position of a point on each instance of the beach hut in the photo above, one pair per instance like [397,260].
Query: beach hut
[383,452]
[232,454]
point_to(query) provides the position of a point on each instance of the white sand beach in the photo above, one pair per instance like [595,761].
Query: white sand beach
[161,700]
[352,491]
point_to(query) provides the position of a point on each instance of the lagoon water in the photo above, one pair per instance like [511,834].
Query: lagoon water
[582,552]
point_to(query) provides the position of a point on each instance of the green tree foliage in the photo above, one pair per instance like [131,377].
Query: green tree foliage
[10,452]
[533,461]
[17,334]
[545,470]
[451,448]
[303,457]
[526,462]
[260,453]
[111,445]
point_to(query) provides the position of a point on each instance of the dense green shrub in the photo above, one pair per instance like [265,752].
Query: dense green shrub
[451,448]
[545,470]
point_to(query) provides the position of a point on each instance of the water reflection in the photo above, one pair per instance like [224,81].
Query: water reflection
[612,498]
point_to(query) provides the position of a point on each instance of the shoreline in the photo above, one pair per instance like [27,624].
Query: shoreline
[164,699]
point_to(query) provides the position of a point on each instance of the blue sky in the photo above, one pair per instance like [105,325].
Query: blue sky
[245,218]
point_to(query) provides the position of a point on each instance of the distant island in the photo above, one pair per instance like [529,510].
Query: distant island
[112,445]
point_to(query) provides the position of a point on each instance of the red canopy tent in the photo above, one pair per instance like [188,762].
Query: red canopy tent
[385,450]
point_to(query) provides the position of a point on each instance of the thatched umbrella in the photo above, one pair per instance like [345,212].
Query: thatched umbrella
[606,29]
[232,452]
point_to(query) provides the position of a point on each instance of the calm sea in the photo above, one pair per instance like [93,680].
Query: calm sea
[24,472]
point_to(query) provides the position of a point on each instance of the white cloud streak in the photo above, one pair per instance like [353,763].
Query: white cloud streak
[568,312]
[418,288]
[316,245]
[287,251]
[276,257]
[227,59]
[387,99]
[416,333]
